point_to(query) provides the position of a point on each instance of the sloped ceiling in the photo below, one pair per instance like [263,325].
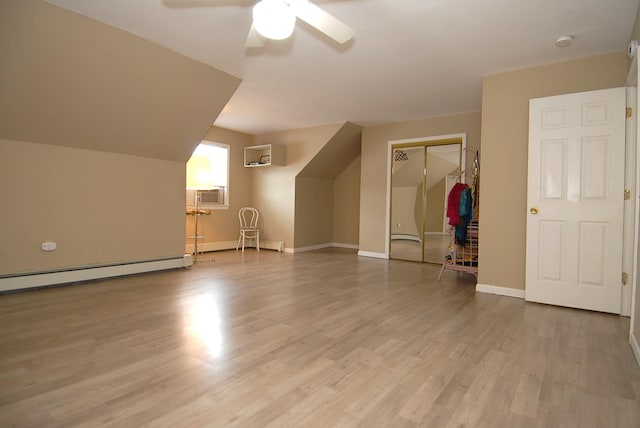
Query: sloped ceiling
[410,59]
[342,149]
[72,81]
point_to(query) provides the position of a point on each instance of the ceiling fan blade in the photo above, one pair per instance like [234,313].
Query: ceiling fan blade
[254,39]
[318,18]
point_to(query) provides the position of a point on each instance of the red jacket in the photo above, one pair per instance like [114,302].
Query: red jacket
[453,203]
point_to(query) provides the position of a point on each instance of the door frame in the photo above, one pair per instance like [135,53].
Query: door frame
[632,209]
[630,222]
[446,139]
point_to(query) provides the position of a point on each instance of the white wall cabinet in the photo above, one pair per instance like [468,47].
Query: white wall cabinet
[263,155]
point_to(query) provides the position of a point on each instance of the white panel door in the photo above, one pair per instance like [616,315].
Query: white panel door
[575,196]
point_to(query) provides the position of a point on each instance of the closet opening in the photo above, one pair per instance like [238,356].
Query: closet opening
[422,173]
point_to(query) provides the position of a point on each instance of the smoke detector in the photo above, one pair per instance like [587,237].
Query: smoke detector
[564,41]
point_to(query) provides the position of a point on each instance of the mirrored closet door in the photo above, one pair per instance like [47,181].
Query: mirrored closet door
[421,176]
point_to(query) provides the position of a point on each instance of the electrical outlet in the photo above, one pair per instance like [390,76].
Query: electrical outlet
[49,246]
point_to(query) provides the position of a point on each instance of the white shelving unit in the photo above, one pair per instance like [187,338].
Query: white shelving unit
[263,155]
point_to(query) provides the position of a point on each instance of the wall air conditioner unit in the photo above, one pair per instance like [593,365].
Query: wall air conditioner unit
[208,198]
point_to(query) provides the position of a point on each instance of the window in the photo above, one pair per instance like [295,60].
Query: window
[217,193]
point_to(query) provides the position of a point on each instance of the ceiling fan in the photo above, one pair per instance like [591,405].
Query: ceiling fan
[276,19]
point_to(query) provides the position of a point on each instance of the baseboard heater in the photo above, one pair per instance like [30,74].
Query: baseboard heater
[44,279]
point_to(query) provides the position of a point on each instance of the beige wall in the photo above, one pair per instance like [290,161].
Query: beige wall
[71,81]
[99,207]
[635,33]
[318,209]
[222,224]
[503,183]
[312,200]
[346,206]
[274,188]
[315,159]
[337,154]
[95,128]
[314,212]
[374,164]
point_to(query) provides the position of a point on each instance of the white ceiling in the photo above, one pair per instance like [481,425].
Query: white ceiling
[409,59]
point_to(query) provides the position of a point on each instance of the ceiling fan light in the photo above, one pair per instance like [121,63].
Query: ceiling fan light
[273,19]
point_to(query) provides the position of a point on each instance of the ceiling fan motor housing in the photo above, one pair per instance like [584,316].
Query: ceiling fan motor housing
[274,19]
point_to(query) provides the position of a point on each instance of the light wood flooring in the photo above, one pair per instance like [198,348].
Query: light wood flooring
[318,339]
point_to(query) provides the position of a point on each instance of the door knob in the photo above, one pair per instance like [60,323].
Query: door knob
[534,210]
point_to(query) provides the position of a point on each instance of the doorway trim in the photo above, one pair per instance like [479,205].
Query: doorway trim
[445,139]
[632,221]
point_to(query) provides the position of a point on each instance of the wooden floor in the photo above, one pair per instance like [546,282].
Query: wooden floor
[319,339]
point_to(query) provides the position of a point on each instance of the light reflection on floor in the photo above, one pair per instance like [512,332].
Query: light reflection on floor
[205,323]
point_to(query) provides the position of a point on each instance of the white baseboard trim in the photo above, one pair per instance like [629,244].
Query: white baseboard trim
[348,246]
[211,246]
[501,291]
[44,279]
[635,346]
[272,245]
[267,245]
[374,255]
[320,247]
[310,248]
[231,245]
